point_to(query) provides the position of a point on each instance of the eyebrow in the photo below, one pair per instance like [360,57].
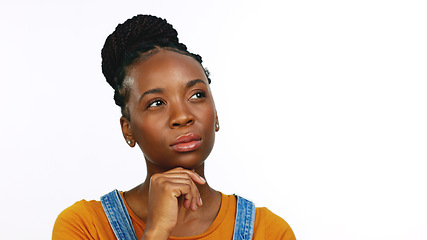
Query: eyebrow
[151,91]
[194,82]
[189,84]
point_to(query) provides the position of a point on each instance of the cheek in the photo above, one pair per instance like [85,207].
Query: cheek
[148,133]
[209,117]
[209,128]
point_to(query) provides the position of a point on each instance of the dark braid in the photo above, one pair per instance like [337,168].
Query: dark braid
[137,38]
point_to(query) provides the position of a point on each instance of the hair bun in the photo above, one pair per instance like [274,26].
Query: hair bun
[141,29]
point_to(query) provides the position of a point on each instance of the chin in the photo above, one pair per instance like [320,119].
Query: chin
[187,161]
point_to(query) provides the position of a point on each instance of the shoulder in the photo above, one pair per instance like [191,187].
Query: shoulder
[272,226]
[81,210]
[268,216]
[78,220]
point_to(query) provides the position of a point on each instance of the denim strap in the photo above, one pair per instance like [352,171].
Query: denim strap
[245,219]
[118,216]
[115,209]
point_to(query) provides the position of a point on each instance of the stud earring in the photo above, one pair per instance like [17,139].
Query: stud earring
[129,142]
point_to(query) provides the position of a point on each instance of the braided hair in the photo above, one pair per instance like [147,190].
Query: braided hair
[136,39]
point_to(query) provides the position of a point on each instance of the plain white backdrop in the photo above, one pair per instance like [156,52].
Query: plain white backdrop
[322,106]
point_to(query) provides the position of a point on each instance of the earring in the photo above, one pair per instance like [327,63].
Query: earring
[217,127]
[129,142]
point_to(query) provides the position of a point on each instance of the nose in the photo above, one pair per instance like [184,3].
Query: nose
[181,116]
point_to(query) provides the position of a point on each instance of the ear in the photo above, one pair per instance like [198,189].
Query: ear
[216,123]
[127,131]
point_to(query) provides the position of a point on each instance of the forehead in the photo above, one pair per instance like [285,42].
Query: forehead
[166,68]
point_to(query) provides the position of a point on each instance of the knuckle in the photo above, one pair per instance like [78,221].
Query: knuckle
[154,177]
[167,185]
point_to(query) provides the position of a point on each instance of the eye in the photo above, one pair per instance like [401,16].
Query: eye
[198,95]
[155,103]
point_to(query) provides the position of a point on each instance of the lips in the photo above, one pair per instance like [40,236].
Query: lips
[186,143]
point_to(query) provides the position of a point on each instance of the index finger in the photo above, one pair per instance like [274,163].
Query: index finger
[193,175]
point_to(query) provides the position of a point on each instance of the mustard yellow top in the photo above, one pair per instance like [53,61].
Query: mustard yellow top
[87,220]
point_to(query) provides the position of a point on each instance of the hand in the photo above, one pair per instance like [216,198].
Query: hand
[168,191]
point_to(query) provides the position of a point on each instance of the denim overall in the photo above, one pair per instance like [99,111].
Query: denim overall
[115,209]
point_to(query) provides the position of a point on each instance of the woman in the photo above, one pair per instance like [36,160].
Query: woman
[169,112]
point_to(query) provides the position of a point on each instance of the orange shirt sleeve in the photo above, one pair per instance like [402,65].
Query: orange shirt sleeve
[82,221]
[72,223]
[270,226]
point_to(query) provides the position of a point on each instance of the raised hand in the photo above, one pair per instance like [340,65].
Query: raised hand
[169,191]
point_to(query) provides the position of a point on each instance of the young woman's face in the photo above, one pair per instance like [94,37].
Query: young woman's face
[172,112]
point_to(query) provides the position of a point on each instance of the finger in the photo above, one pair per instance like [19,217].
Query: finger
[196,177]
[177,173]
[178,189]
[193,175]
[192,200]
[174,176]
[181,175]
[183,191]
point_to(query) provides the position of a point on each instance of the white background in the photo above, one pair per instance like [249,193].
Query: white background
[322,108]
